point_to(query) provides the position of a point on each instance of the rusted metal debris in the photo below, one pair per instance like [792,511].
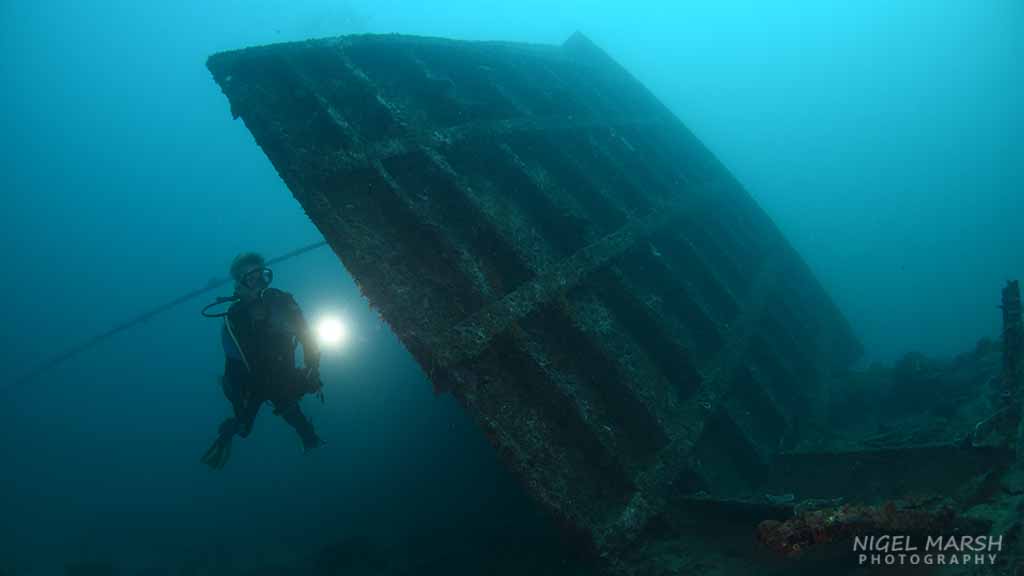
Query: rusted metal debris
[807,530]
[971,487]
[557,250]
[1013,365]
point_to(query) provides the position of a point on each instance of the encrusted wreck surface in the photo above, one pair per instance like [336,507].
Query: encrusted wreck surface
[557,250]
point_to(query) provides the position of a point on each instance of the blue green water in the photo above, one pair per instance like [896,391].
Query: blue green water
[884,139]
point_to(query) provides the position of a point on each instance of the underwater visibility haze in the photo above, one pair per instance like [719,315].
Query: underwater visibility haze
[881,139]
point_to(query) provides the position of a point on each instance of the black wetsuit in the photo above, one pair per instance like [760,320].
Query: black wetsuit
[260,338]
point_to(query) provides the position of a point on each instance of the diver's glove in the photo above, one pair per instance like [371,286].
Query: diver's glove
[220,451]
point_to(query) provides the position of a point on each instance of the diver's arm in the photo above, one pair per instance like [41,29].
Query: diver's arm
[310,348]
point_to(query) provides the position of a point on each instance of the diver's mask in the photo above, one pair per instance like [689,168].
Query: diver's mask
[257,279]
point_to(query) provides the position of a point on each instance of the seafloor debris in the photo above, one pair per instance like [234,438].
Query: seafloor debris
[809,529]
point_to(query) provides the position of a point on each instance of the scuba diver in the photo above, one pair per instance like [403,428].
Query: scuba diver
[261,331]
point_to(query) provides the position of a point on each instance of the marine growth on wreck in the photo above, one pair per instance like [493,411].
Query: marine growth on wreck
[637,339]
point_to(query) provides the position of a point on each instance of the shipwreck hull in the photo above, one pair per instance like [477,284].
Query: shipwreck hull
[559,252]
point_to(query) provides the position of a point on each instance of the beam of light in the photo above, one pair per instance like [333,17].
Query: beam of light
[332,331]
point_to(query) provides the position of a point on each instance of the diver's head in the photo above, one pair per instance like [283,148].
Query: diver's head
[251,275]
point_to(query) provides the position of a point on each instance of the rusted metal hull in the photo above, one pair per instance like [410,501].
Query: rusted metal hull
[558,251]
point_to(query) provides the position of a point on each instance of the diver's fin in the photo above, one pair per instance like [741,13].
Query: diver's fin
[218,453]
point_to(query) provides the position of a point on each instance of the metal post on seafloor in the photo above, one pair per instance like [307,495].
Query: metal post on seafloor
[1013,362]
